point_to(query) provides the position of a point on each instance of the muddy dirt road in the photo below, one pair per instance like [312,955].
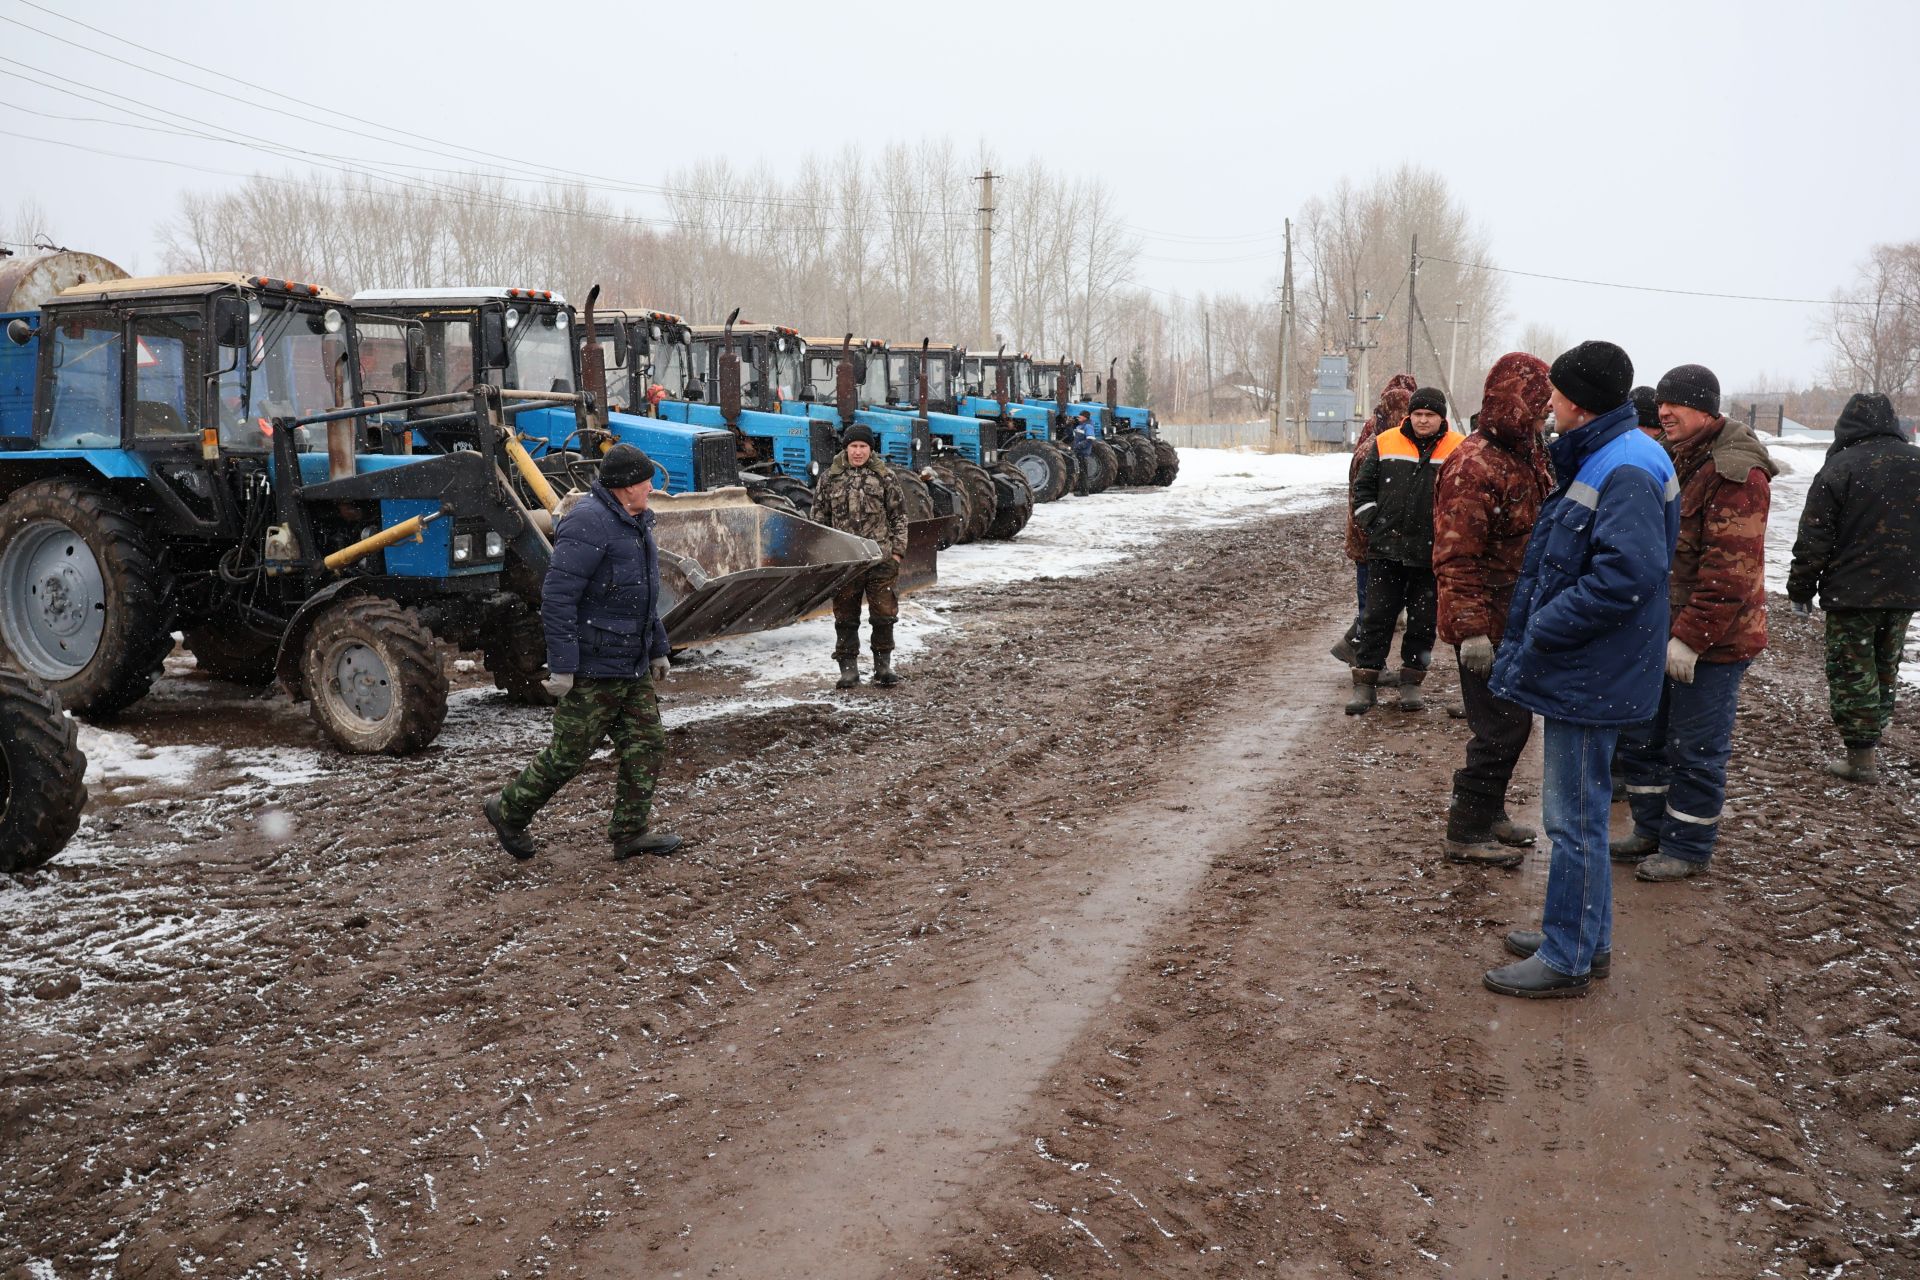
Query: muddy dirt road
[1103,946]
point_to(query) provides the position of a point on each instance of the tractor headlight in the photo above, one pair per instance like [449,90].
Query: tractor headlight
[496,546]
[332,320]
[513,317]
[560,320]
[462,548]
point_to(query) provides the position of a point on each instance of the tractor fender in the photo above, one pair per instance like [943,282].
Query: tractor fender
[293,640]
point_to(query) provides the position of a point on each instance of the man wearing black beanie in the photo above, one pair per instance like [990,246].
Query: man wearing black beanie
[1585,648]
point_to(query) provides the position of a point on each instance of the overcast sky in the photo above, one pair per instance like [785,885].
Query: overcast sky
[1744,148]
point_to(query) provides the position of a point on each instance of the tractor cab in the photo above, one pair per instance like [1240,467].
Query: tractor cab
[773,361]
[641,350]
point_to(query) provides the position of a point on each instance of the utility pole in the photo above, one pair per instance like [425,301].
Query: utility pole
[1413,274]
[1453,351]
[1364,345]
[1206,338]
[986,259]
[1286,339]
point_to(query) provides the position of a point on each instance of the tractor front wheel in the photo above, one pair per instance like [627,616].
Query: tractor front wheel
[516,657]
[1047,474]
[1104,467]
[1169,460]
[83,605]
[375,677]
[42,774]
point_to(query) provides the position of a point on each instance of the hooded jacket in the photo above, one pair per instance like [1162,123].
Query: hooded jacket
[863,500]
[1487,500]
[1718,591]
[1586,637]
[1389,412]
[600,602]
[1859,542]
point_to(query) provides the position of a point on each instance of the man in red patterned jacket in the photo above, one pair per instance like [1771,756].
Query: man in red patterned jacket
[1676,765]
[1483,513]
[1389,412]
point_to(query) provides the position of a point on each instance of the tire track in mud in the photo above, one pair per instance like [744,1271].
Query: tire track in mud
[863,1168]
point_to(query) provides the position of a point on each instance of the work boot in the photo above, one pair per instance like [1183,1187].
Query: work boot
[658,842]
[1343,647]
[1532,980]
[1524,942]
[1507,831]
[1457,710]
[1634,848]
[849,673]
[1482,853]
[883,672]
[1858,766]
[1662,867]
[1364,692]
[517,841]
[1410,680]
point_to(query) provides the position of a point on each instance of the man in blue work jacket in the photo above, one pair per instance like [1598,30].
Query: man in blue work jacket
[1586,647]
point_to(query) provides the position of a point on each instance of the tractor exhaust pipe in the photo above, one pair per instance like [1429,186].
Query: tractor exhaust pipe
[728,376]
[846,388]
[924,343]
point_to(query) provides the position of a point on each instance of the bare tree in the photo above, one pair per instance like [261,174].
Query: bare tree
[1874,332]
[1543,340]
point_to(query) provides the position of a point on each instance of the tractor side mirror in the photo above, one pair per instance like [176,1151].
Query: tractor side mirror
[493,340]
[19,332]
[416,367]
[230,322]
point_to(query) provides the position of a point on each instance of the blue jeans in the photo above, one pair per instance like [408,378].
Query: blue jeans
[1575,793]
[1676,764]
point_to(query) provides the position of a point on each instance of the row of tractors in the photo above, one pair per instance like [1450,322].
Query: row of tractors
[327,492]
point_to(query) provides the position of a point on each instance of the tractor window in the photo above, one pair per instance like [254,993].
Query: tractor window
[938,386]
[383,360]
[542,355]
[670,366]
[166,369]
[786,373]
[820,375]
[975,379]
[84,402]
[900,377]
[449,355]
[873,389]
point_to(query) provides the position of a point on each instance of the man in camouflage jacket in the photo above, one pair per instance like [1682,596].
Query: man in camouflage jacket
[1675,766]
[1859,547]
[859,495]
[1488,497]
[1388,412]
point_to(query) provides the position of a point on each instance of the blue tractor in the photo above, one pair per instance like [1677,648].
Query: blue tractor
[199,460]
[967,448]
[1123,454]
[986,385]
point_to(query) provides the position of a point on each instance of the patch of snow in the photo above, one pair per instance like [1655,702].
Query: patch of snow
[123,756]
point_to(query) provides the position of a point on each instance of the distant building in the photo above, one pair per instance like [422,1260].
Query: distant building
[1330,404]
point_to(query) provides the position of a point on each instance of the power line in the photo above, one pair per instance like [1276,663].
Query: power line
[1642,288]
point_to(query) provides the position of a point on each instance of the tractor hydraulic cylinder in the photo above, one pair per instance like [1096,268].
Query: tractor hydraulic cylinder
[530,472]
[387,537]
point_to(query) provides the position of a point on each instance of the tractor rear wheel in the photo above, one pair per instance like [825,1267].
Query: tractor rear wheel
[42,774]
[516,656]
[1015,502]
[234,652]
[375,677]
[1169,459]
[920,502]
[1145,461]
[1048,475]
[1104,466]
[83,605]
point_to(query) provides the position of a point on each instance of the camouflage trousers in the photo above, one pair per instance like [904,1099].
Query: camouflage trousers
[594,710]
[1863,670]
[876,586]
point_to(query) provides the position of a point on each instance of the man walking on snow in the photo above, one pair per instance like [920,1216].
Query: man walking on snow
[1483,512]
[1675,765]
[1393,505]
[1859,547]
[859,494]
[1585,642]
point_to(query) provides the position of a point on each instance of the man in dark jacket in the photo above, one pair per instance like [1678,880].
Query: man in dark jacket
[860,495]
[1082,441]
[1585,643]
[1859,547]
[1393,505]
[606,647]
[1388,412]
[1675,765]
[1483,513]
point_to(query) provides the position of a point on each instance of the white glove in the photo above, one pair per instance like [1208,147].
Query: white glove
[658,669]
[1680,661]
[559,685]
[1476,655]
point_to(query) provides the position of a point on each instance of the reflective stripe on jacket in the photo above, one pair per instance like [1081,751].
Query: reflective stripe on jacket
[1393,495]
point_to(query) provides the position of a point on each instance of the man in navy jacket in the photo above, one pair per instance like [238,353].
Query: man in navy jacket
[1585,647]
[606,647]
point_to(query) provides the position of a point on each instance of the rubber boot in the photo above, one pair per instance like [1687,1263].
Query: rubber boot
[1470,831]
[1411,679]
[849,673]
[1858,766]
[1518,834]
[1343,648]
[883,673]
[1364,691]
[846,652]
[1634,848]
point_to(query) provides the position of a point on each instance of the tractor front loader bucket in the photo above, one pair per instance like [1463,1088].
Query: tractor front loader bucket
[729,566]
[919,568]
